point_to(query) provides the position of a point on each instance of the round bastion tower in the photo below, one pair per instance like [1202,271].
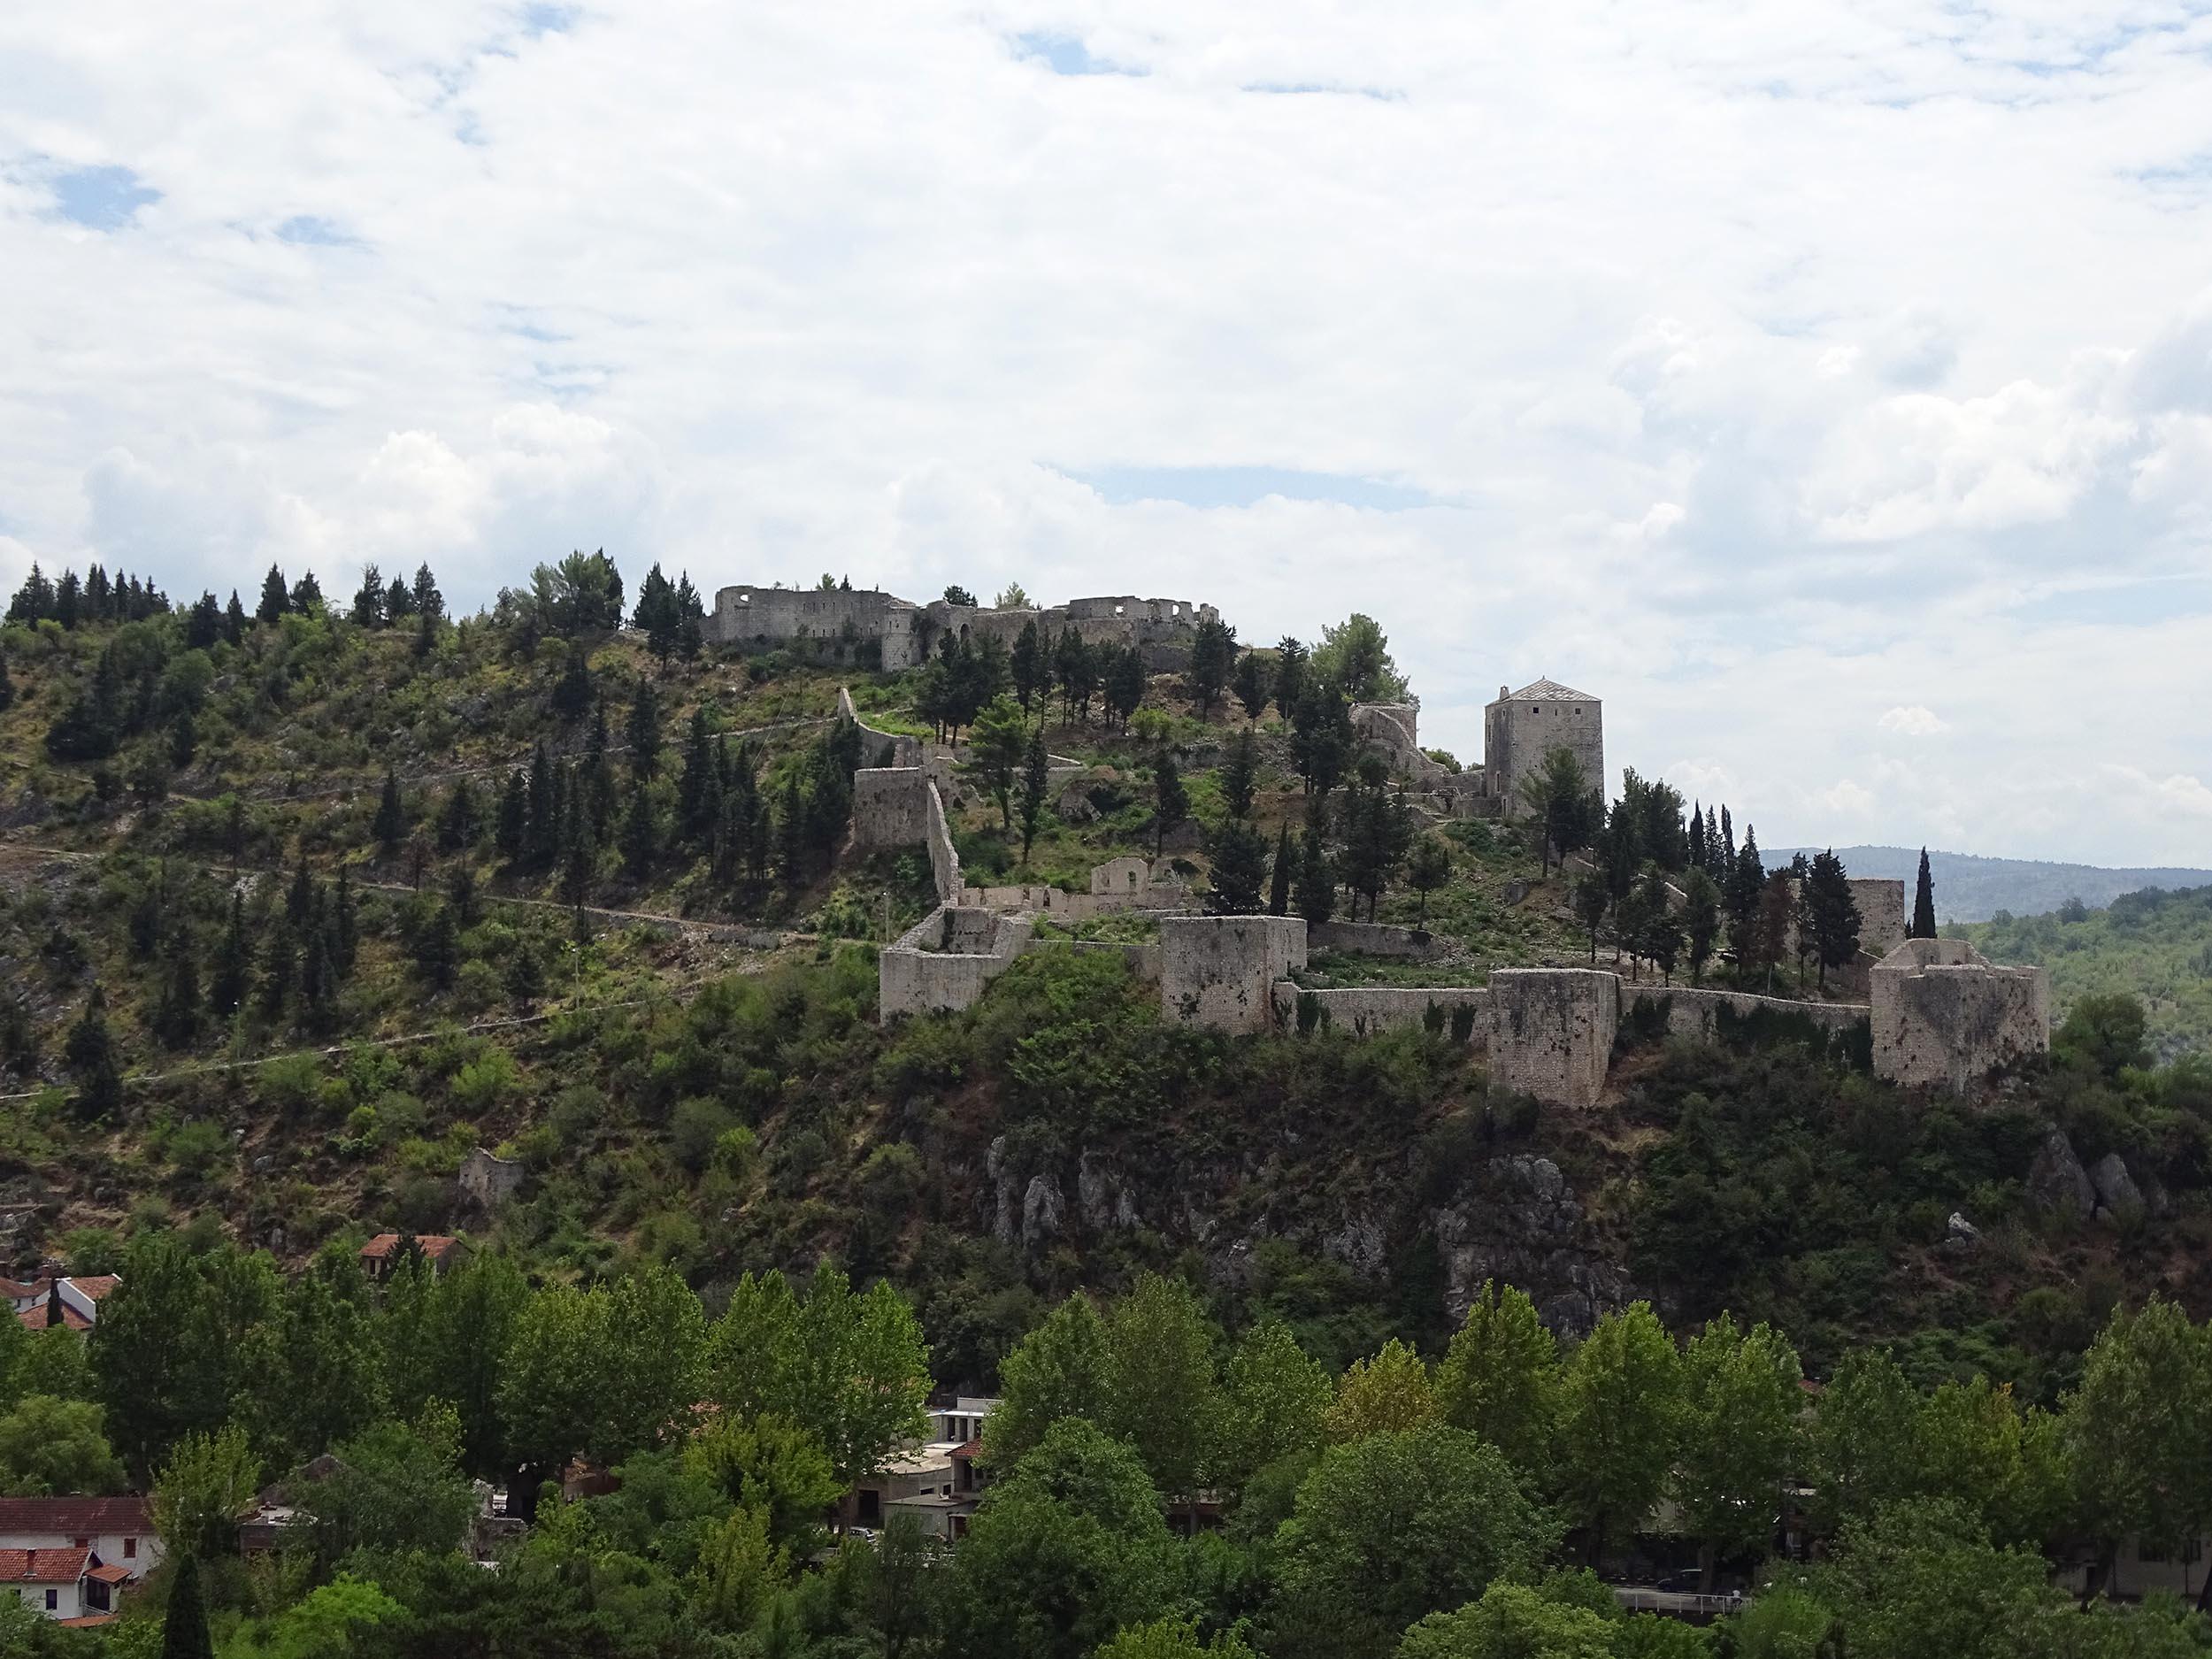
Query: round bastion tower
[1523,726]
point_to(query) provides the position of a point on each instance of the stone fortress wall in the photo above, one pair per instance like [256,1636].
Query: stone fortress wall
[850,622]
[1945,1016]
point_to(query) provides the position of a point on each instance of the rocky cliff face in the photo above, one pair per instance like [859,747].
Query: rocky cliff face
[1514,1218]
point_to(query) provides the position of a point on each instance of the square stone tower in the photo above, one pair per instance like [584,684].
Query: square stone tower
[1523,726]
[1944,1015]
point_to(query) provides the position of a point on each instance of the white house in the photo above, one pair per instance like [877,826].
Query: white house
[73,1585]
[72,1303]
[935,1480]
[118,1532]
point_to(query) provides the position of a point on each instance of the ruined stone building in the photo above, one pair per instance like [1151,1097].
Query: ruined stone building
[1519,730]
[865,627]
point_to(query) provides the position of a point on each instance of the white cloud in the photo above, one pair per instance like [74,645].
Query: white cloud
[1912,722]
[1781,369]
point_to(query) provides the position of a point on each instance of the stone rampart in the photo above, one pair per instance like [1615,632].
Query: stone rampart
[905,750]
[1881,902]
[857,625]
[1694,1010]
[1552,1031]
[1143,959]
[898,806]
[1368,1011]
[1220,970]
[1945,1016]
[943,961]
[1375,938]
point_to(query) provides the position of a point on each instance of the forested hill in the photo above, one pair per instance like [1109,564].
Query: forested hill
[2156,946]
[1970,888]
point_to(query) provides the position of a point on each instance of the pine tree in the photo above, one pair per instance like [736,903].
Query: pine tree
[457,820]
[1240,774]
[1239,869]
[1027,666]
[299,902]
[691,624]
[512,834]
[544,838]
[1316,882]
[276,598]
[345,926]
[399,600]
[695,786]
[579,852]
[90,727]
[368,600]
[1212,659]
[1923,916]
[791,833]
[88,1051]
[307,594]
[1253,685]
[428,601]
[525,976]
[642,732]
[1429,867]
[438,949]
[226,986]
[178,1016]
[279,961]
[1170,803]
[1035,787]
[1741,897]
[68,599]
[390,826]
[1284,875]
[235,619]
[639,838]
[1832,914]
[571,692]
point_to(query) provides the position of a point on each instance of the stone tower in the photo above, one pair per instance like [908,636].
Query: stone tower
[1523,726]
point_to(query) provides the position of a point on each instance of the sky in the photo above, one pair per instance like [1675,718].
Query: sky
[1827,387]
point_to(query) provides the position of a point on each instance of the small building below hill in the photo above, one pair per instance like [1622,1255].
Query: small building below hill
[384,1252]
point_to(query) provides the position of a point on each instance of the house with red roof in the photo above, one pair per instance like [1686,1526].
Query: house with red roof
[380,1254]
[115,1537]
[71,1302]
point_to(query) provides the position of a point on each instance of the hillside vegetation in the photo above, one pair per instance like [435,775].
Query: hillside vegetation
[1972,889]
[2154,945]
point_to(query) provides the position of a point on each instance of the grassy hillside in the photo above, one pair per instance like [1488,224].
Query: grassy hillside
[2154,945]
[332,905]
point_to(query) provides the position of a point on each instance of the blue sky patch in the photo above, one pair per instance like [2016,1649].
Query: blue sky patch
[542,18]
[101,198]
[311,231]
[1243,486]
[1066,55]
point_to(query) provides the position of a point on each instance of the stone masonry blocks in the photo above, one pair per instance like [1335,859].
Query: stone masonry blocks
[1220,970]
[1945,1016]
[1552,1031]
[942,963]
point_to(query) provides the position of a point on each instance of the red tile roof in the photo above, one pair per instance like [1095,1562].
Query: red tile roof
[969,1449]
[18,1287]
[34,1318]
[76,1517]
[43,1566]
[89,1621]
[434,1245]
[96,1286]
[107,1572]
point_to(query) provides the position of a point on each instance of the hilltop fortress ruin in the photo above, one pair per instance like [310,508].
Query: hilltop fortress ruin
[864,627]
[1937,1016]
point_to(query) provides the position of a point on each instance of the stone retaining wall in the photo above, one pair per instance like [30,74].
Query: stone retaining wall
[1220,970]
[1370,1010]
[1552,1031]
[1694,1010]
[1375,938]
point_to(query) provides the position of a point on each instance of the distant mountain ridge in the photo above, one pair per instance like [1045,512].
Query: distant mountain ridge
[1969,889]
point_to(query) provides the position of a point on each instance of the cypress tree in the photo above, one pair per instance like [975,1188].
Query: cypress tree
[1239,869]
[1240,774]
[456,820]
[1697,836]
[389,825]
[438,949]
[184,1633]
[1832,914]
[1027,665]
[1924,920]
[428,601]
[1285,875]
[299,904]
[525,976]
[580,853]
[277,963]
[307,594]
[791,833]
[235,619]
